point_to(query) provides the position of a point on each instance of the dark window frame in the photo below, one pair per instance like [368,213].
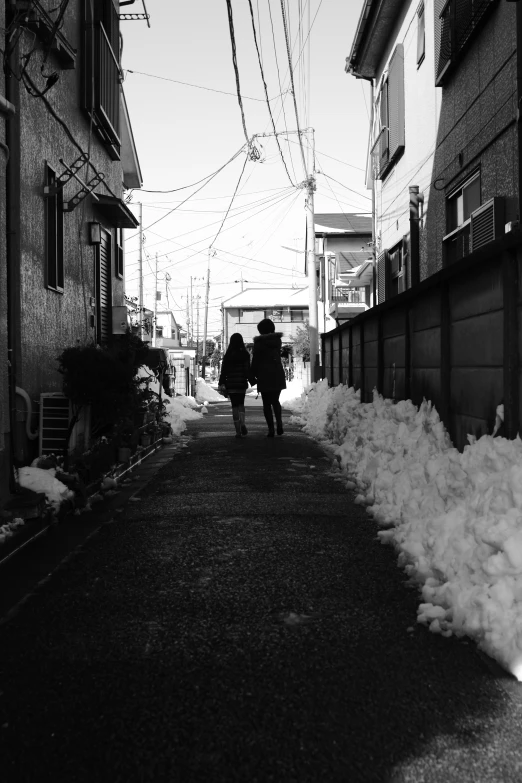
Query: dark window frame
[455,243]
[456,22]
[390,142]
[118,254]
[54,279]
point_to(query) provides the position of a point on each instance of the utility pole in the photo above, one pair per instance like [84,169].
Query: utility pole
[204,352]
[140,272]
[155,302]
[191,315]
[312,274]
[197,330]
[241,281]
[188,319]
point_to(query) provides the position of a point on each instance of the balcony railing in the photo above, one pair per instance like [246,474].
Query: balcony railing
[347,296]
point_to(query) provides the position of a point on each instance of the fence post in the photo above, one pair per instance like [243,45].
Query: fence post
[407,355]
[510,295]
[341,376]
[350,356]
[445,358]
[380,357]
[361,351]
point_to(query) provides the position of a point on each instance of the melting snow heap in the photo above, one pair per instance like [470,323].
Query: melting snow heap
[455,518]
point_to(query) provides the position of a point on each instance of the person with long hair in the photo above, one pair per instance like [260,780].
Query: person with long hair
[234,378]
[268,371]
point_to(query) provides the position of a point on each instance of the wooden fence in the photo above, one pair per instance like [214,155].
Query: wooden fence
[454,339]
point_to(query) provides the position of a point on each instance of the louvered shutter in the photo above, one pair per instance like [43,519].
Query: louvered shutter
[103,288]
[442,40]
[396,102]
[406,262]
[382,277]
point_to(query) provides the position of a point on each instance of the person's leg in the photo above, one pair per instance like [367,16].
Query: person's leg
[235,400]
[267,410]
[278,412]
[244,430]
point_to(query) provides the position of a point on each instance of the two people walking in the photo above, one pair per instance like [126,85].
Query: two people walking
[266,370]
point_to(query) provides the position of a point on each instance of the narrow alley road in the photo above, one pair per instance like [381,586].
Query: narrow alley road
[240,622]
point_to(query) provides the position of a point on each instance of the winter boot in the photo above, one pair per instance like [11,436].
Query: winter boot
[267,410]
[244,430]
[237,422]
[279,418]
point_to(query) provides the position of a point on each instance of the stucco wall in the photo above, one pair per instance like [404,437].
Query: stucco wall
[52,321]
[421,108]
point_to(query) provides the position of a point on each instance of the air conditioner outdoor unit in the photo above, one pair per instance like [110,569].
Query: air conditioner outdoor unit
[55,415]
[487,223]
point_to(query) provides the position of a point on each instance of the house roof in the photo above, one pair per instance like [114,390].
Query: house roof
[343,222]
[269,297]
[349,260]
[376,23]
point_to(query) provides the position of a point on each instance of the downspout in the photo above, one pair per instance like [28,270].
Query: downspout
[414,236]
[519,106]
[13,250]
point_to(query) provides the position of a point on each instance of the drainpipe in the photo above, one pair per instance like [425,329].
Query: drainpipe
[414,236]
[13,250]
[519,106]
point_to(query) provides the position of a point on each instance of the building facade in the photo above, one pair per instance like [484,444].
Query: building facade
[71,156]
[345,266]
[444,161]
[287,307]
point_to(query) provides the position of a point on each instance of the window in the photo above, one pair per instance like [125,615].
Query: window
[421,34]
[118,256]
[389,131]
[459,206]
[54,237]
[455,24]
[296,315]
[159,331]
[101,71]
[397,270]
[461,203]
[392,266]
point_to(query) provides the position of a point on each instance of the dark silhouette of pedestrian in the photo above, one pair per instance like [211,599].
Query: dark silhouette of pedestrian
[234,378]
[268,371]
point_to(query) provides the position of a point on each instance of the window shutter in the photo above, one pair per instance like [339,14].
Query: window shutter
[442,40]
[396,102]
[382,277]
[406,261]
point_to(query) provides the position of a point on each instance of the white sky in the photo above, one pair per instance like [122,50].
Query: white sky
[184,134]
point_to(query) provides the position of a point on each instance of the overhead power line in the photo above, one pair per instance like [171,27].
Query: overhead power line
[291,72]
[266,90]
[197,86]
[236,70]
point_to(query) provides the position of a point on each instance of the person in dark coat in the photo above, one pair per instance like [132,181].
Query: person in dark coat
[234,377]
[267,369]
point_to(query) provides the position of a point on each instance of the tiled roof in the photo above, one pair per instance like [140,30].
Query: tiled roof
[269,297]
[347,260]
[357,224]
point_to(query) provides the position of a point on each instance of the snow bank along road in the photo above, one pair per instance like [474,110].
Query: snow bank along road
[240,622]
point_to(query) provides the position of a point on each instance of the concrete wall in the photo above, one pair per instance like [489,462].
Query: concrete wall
[52,321]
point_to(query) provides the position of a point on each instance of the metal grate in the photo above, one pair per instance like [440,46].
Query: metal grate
[484,223]
[54,423]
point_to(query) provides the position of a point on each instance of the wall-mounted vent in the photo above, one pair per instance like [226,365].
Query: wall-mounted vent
[487,223]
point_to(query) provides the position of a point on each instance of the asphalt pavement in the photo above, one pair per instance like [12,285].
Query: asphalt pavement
[237,619]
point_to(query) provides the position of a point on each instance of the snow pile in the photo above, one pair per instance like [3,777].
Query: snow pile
[40,480]
[8,529]
[293,391]
[205,393]
[177,412]
[455,518]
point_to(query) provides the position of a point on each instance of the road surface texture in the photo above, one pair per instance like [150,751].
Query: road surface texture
[241,622]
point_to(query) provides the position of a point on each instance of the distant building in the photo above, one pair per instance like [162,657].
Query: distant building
[168,333]
[345,266]
[287,307]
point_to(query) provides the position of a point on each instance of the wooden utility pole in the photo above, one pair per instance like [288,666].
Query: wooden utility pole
[191,314]
[312,282]
[204,352]
[155,302]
